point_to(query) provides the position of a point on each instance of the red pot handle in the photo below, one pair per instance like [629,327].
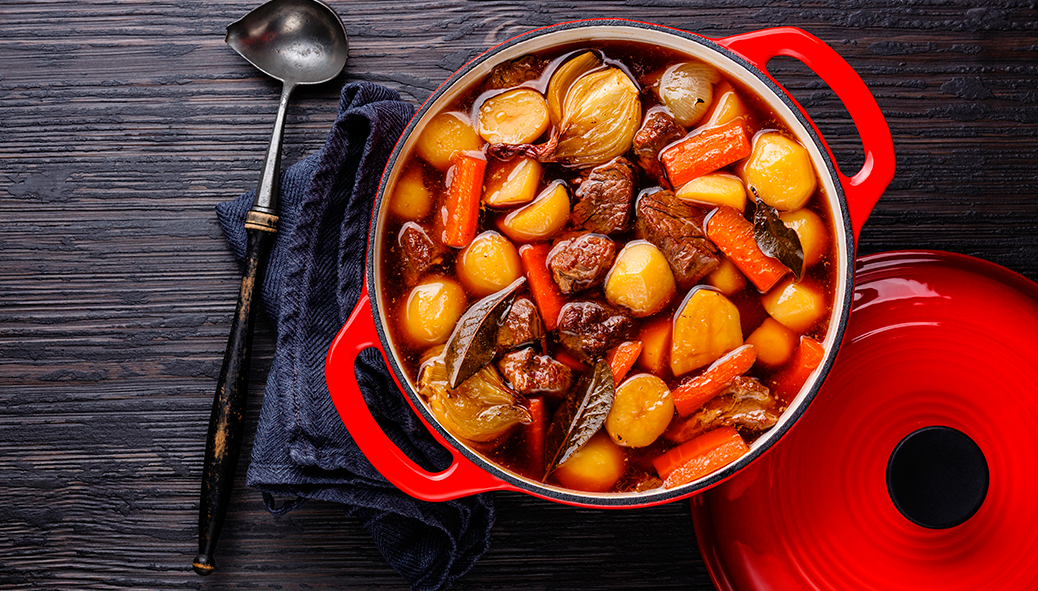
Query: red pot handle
[461,478]
[863,189]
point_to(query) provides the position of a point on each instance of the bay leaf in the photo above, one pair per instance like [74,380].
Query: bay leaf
[473,343]
[580,415]
[777,240]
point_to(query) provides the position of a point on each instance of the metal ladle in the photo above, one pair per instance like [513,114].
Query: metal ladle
[295,42]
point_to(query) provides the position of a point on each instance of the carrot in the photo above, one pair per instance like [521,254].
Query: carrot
[786,384]
[655,339]
[543,287]
[464,191]
[570,361]
[692,395]
[733,234]
[533,437]
[621,358]
[706,151]
[694,459]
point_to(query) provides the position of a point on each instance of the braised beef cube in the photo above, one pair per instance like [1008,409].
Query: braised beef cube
[515,72]
[521,326]
[676,228]
[657,131]
[588,329]
[745,404]
[604,198]
[419,251]
[530,373]
[581,262]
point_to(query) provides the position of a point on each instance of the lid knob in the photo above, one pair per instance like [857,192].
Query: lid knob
[937,477]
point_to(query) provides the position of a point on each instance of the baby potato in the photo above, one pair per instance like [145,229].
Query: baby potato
[432,309]
[707,327]
[796,305]
[728,107]
[488,264]
[655,338]
[715,188]
[515,117]
[596,467]
[444,135]
[640,280]
[773,342]
[727,277]
[511,183]
[780,171]
[411,199]
[814,237]
[541,219]
[642,409]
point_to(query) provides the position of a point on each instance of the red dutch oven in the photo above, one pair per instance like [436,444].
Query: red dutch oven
[743,58]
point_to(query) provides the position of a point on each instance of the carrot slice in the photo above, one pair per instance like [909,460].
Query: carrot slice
[694,459]
[570,361]
[786,384]
[706,151]
[533,437]
[545,291]
[621,358]
[464,191]
[693,394]
[733,234]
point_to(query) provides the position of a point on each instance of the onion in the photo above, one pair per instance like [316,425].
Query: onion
[599,118]
[687,89]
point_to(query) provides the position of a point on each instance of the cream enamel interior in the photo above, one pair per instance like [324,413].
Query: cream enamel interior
[733,70]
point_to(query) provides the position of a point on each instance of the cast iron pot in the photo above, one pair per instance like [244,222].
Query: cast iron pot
[743,58]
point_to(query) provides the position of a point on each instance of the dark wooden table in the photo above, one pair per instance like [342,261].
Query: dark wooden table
[123,123]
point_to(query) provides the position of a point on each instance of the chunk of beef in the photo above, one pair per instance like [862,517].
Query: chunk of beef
[745,404]
[515,72]
[676,227]
[521,326]
[581,262]
[419,251]
[605,196]
[657,131]
[588,329]
[530,373]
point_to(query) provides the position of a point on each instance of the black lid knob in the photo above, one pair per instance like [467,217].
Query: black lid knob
[937,477]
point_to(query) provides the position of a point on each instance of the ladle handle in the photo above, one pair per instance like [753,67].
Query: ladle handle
[226,422]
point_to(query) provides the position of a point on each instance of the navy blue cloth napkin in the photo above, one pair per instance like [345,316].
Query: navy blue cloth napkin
[314,276]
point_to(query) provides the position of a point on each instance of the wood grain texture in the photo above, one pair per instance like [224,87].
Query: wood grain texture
[122,124]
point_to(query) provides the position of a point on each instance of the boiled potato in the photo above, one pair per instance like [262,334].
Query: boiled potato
[780,171]
[511,183]
[445,135]
[640,280]
[432,309]
[707,327]
[411,200]
[796,305]
[773,342]
[655,338]
[515,117]
[715,188]
[642,409]
[814,237]
[727,277]
[596,467]
[488,264]
[728,106]
[541,219]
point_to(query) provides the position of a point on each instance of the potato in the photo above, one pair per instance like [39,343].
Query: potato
[796,305]
[444,135]
[514,117]
[814,236]
[511,183]
[780,171]
[488,264]
[411,199]
[640,280]
[432,309]
[655,338]
[773,342]
[596,467]
[706,328]
[541,219]
[728,107]
[727,278]
[715,188]
[642,409]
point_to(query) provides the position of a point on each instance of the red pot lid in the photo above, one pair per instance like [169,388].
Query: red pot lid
[941,358]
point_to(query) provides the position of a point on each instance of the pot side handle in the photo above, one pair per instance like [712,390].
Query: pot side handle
[461,478]
[863,189]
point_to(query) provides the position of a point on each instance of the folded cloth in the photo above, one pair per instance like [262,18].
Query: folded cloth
[313,279]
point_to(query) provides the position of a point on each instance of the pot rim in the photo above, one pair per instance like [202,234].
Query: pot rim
[844,278]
